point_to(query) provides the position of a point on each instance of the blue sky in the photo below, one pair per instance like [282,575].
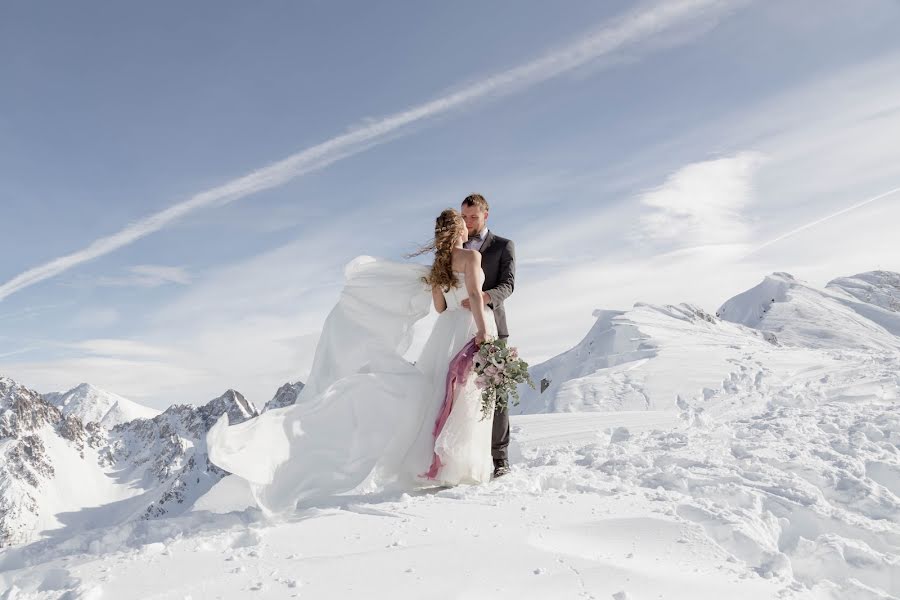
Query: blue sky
[634,151]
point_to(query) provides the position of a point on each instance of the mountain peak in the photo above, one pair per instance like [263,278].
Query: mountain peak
[852,312]
[285,396]
[232,403]
[24,412]
[783,275]
[90,403]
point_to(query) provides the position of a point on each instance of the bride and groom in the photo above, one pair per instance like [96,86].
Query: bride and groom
[366,419]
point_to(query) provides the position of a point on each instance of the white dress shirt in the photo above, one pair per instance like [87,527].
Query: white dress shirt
[476,241]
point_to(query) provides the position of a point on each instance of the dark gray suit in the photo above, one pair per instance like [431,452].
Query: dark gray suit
[498,259]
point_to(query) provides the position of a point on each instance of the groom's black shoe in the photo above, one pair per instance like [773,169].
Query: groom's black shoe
[501,468]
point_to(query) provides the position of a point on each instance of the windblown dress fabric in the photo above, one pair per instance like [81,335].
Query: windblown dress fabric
[367,415]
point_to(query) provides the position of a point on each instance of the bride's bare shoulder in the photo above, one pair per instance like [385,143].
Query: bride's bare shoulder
[462,259]
[463,254]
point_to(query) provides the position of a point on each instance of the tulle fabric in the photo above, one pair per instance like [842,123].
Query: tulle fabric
[366,414]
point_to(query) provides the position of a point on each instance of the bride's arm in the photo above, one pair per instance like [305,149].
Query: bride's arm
[437,295]
[474,281]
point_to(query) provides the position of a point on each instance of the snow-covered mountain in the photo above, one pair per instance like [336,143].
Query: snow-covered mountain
[58,471]
[48,463]
[629,361]
[659,357]
[166,455]
[285,396]
[848,313]
[90,403]
[880,288]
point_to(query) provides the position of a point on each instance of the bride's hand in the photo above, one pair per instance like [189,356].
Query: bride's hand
[480,338]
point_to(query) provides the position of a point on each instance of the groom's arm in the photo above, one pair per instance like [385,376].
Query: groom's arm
[506,280]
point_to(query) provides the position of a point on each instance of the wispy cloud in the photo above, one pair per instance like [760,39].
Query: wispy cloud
[127,377]
[111,347]
[702,203]
[825,219]
[18,352]
[30,312]
[147,276]
[648,24]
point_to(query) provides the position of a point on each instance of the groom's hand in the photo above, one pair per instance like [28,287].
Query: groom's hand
[468,305]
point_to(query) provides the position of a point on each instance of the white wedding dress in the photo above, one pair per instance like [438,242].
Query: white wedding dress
[365,419]
[464,443]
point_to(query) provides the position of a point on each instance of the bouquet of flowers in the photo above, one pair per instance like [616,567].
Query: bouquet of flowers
[499,371]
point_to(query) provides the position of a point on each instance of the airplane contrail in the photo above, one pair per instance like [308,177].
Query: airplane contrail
[628,29]
[823,219]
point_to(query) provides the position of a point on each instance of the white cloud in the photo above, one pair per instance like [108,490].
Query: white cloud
[643,25]
[702,203]
[128,378]
[256,355]
[112,348]
[829,143]
[18,352]
[147,276]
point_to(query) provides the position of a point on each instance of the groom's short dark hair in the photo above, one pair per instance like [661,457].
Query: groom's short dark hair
[477,200]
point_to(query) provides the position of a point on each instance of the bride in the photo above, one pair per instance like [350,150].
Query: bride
[368,419]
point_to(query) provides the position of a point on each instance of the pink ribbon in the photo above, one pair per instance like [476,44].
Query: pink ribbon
[460,367]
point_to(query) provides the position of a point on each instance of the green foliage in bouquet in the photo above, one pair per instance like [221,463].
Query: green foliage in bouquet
[499,372]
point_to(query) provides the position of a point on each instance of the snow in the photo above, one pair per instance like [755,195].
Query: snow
[674,455]
[644,359]
[60,477]
[802,315]
[880,288]
[549,529]
[75,487]
[90,403]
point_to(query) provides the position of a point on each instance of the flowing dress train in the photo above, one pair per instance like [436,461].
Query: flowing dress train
[367,415]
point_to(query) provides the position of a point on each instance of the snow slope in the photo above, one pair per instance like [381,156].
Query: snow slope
[656,357]
[49,465]
[881,288]
[60,476]
[643,359]
[167,457]
[838,316]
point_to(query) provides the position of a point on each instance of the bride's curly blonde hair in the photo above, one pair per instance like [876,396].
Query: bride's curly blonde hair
[447,228]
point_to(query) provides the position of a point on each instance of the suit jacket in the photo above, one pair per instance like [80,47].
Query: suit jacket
[498,260]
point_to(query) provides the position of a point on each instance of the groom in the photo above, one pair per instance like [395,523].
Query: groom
[498,259]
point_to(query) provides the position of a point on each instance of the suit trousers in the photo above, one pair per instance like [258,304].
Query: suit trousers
[500,432]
